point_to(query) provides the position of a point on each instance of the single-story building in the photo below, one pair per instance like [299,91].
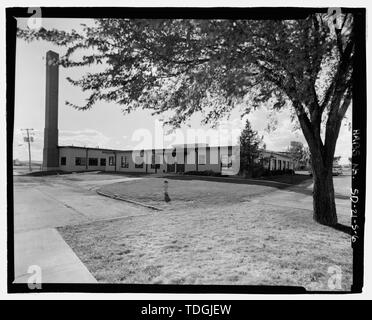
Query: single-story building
[178,159]
[275,160]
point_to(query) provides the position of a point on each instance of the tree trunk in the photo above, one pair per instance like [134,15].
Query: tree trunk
[322,163]
[324,197]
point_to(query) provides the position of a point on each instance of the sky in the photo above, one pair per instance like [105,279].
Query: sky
[105,126]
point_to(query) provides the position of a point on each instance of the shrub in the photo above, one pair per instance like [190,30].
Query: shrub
[258,171]
[281,172]
[204,173]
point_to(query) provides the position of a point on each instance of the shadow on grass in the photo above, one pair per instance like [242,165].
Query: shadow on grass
[303,188]
[126,174]
[251,181]
[258,182]
[342,228]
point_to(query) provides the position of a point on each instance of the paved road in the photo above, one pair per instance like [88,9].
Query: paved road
[43,203]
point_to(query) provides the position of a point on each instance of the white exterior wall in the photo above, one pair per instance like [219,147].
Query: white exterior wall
[212,159]
[131,158]
[72,153]
[118,156]
[98,154]
[115,165]
[161,160]
[147,161]
[190,164]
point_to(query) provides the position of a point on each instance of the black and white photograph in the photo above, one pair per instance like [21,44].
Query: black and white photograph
[186,149]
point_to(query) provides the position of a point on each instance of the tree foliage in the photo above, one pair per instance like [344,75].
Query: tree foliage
[211,66]
[250,143]
[300,154]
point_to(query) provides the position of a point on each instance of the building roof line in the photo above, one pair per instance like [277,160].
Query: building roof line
[167,149]
[148,149]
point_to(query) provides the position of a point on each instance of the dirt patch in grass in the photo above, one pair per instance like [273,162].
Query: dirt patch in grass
[243,244]
[186,193]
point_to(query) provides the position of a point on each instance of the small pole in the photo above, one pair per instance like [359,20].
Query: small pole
[166,196]
[29,151]
[29,146]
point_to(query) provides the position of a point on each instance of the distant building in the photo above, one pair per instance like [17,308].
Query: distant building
[275,160]
[178,159]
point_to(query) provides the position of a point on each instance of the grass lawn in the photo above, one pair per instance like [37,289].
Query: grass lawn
[186,192]
[242,244]
[214,232]
[341,184]
[287,178]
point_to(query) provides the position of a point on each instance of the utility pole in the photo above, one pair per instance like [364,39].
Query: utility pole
[28,140]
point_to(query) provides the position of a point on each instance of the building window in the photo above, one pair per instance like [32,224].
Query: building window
[80,161]
[111,161]
[202,159]
[63,161]
[138,162]
[93,161]
[103,162]
[155,161]
[124,162]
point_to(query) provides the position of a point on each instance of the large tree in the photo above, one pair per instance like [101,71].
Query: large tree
[212,66]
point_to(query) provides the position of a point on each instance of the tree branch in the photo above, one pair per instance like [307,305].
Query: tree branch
[347,99]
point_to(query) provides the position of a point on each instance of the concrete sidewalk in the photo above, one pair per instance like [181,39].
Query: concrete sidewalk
[46,249]
[42,204]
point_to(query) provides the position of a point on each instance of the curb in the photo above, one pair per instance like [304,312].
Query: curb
[116,197]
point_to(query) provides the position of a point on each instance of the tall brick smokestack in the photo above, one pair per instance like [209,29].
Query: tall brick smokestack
[50,152]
